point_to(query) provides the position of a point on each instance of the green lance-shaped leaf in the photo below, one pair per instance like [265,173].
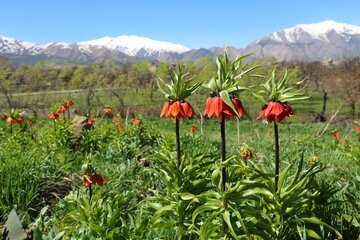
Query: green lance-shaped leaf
[204,208]
[226,216]
[282,177]
[279,90]
[187,196]
[311,233]
[239,76]
[180,86]
[158,81]
[260,98]
[317,221]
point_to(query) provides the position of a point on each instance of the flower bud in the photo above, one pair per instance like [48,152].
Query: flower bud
[246,153]
[312,160]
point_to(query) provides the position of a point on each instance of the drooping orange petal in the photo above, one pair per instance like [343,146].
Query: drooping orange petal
[279,118]
[261,114]
[235,103]
[98,179]
[165,109]
[185,108]
[288,110]
[172,109]
[180,110]
[213,106]
[268,109]
[219,106]
[182,113]
[277,109]
[191,112]
[168,112]
[207,107]
[285,111]
[177,109]
[188,110]
[238,106]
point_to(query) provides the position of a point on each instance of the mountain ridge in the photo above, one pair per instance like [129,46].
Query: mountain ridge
[303,42]
[309,42]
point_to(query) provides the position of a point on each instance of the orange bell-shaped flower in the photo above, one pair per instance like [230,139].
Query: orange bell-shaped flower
[69,103]
[137,122]
[54,116]
[215,106]
[177,109]
[98,179]
[275,111]
[11,120]
[193,129]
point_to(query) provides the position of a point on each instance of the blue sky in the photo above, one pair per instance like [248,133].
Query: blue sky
[193,23]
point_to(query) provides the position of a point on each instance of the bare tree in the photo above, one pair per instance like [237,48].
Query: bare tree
[6,82]
[348,74]
[321,75]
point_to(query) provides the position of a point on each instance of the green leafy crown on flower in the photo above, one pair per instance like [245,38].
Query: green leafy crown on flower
[281,90]
[227,81]
[180,87]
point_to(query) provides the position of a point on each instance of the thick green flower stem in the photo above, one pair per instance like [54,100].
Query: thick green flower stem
[68,113]
[223,152]
[277,161]
[177,132]
[223,170]
[90,193]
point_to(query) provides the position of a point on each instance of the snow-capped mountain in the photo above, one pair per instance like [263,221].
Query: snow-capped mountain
[121,48]
[13,46]
[317,41]
[318,31]
[310,42]
[135,46]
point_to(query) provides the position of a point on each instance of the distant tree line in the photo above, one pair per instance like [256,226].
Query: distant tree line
[340,79]
[326,78]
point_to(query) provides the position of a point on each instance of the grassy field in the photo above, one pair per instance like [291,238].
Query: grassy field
[41,169]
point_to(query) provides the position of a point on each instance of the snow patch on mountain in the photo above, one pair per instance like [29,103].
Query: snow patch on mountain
[54,44]
[132,44]
[13,46]
[316,30]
